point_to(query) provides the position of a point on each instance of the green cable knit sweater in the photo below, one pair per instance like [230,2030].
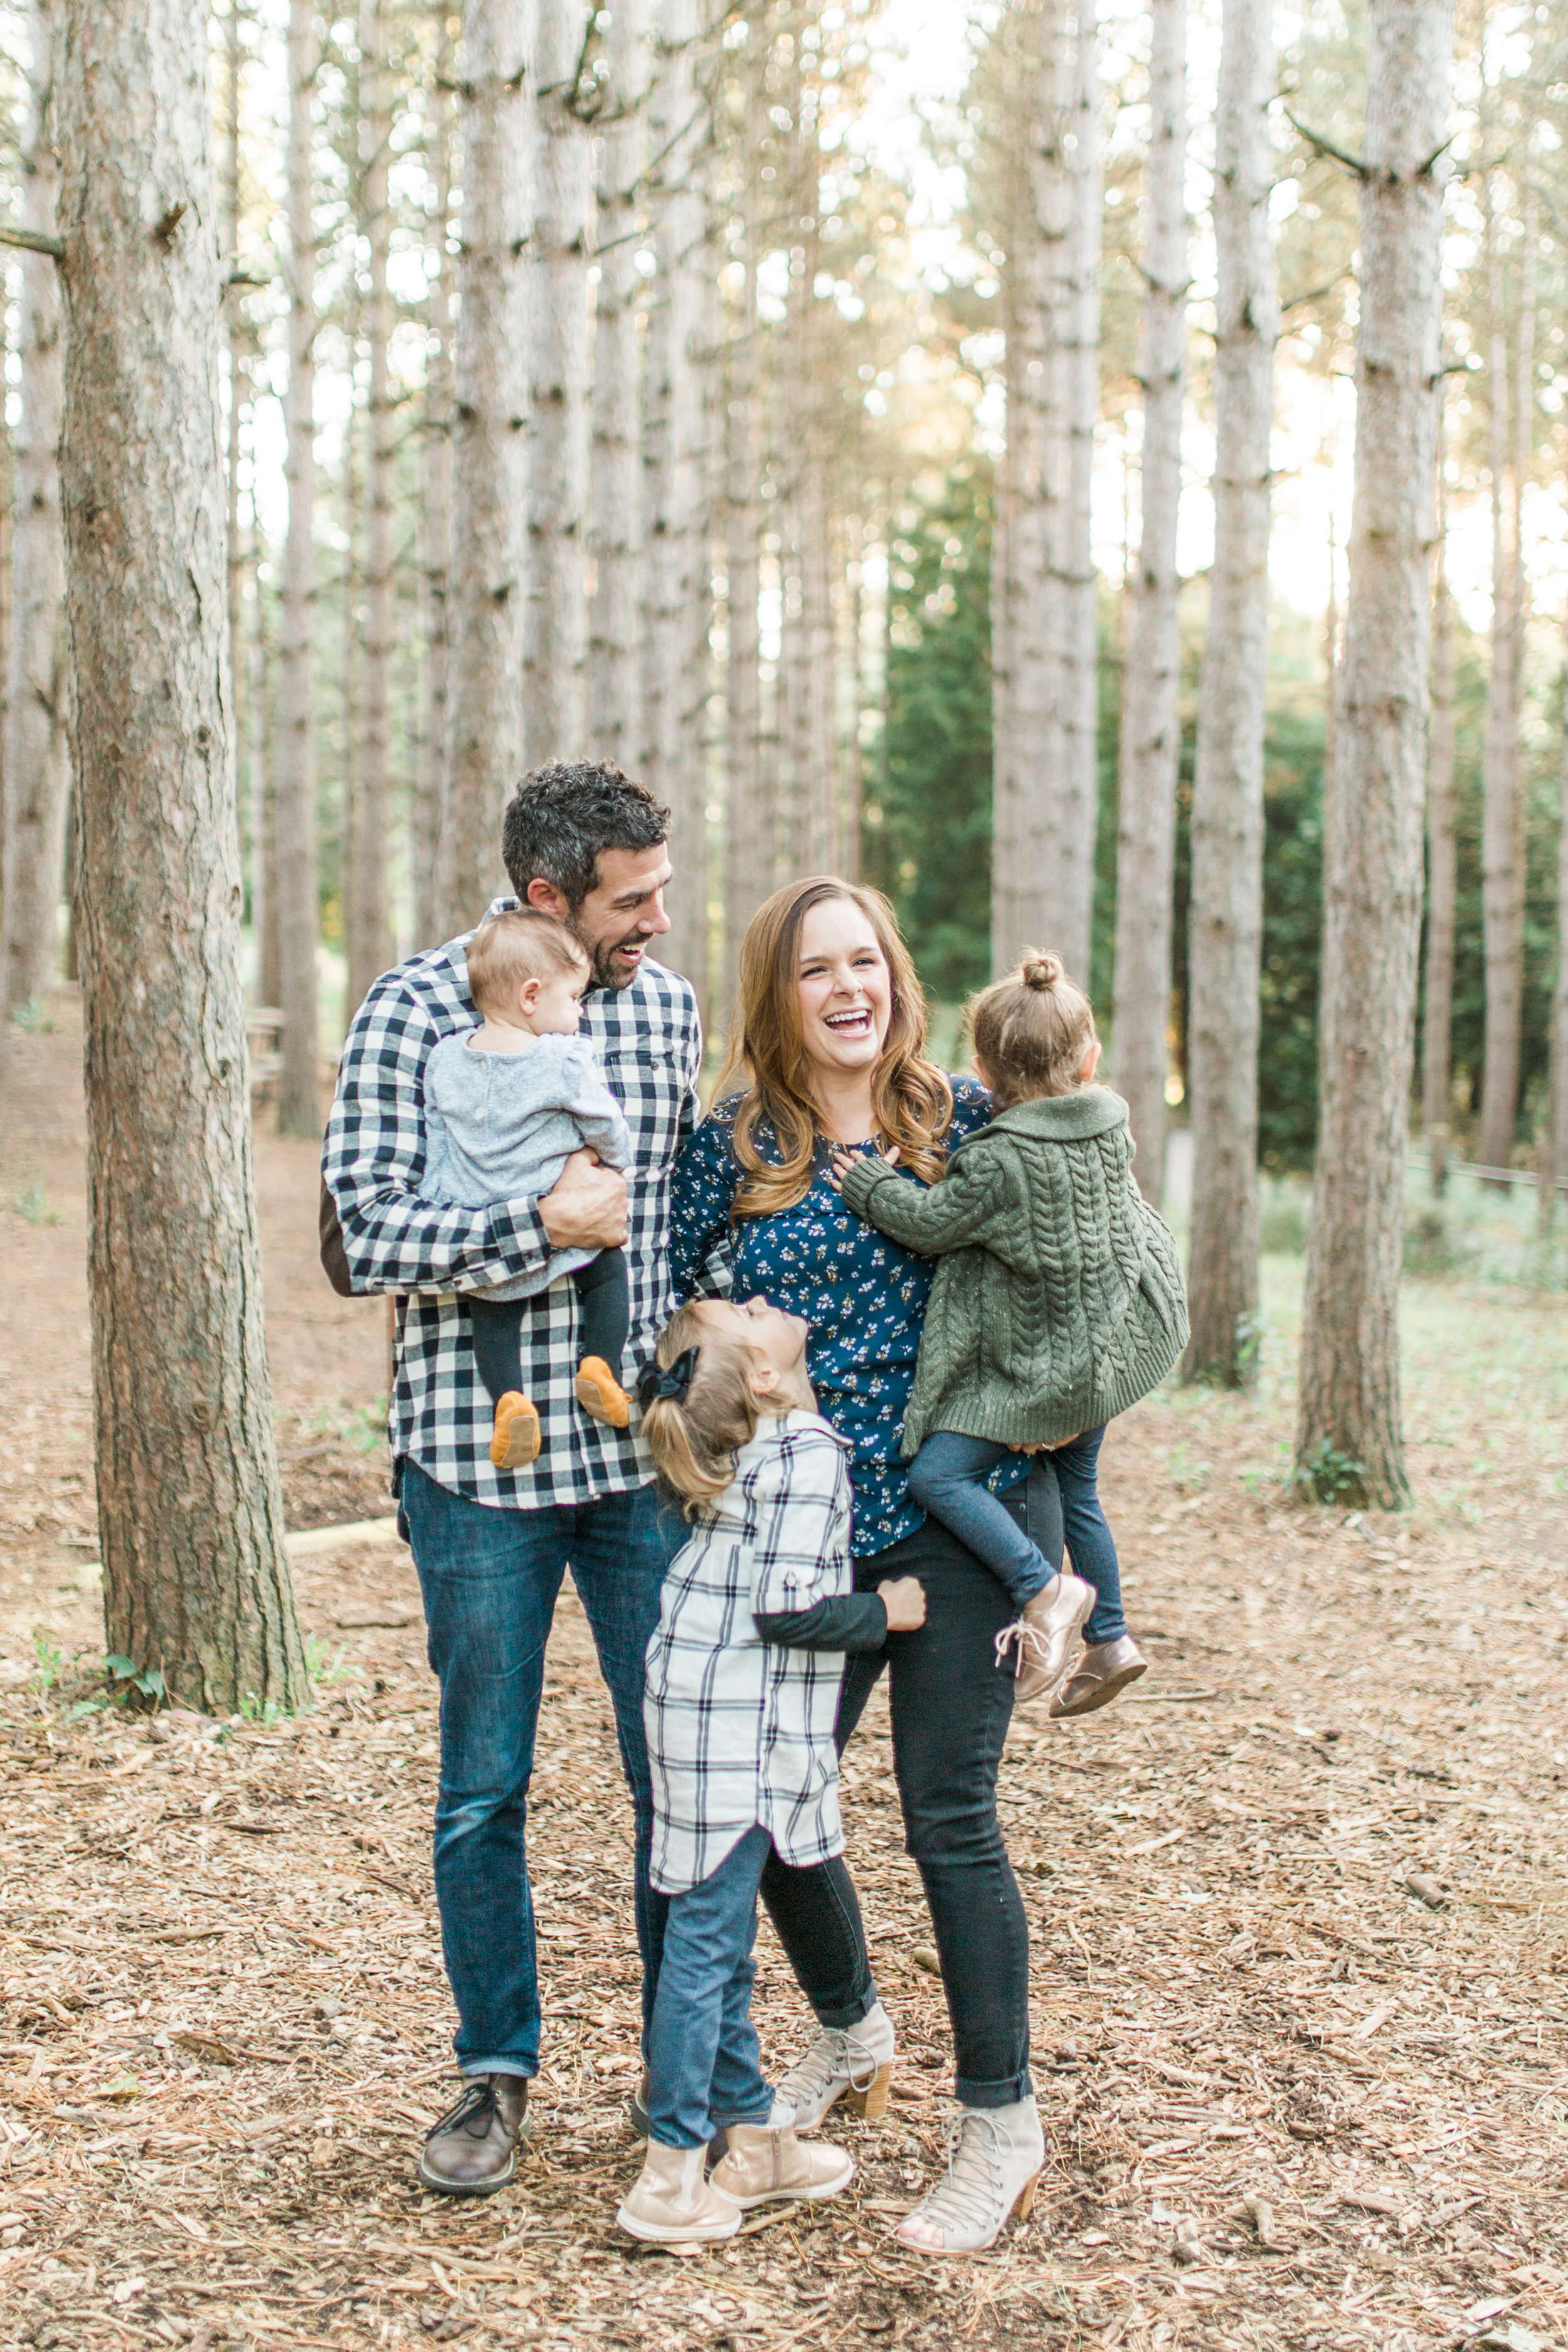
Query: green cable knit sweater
[1058,1301]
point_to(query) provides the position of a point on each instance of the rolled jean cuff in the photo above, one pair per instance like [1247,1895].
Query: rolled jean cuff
[993,2094]
[758,2120]
[472,2069]
[840,2020]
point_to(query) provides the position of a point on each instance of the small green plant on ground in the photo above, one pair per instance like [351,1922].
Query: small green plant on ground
[133,1685]
[325,1671]
[31,1205]
[1329,1475]
[362,1427]
[32,1017]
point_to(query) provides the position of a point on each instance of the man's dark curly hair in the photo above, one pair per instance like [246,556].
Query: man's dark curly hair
[562,816]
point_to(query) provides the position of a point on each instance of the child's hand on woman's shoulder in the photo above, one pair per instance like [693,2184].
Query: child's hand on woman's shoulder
[904,1599]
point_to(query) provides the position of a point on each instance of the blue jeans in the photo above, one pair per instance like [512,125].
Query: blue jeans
[490,1579]
[704,2065]
[947,1478]
[1088,1539]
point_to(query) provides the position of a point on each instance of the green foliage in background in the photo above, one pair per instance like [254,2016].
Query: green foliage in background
[927,835]
[928,829]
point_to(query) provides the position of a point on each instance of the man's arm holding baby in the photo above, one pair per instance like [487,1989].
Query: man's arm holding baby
[375,1157]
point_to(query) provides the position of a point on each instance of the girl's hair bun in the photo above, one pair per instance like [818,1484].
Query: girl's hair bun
[1040,969]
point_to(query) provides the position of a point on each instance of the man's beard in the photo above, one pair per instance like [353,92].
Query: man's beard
[605,975]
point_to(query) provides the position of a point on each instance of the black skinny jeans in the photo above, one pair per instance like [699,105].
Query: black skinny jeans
[951,1706]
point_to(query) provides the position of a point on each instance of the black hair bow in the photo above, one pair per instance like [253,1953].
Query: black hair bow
[657,1383]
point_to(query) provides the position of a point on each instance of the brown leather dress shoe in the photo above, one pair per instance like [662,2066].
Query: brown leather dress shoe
[472,2151]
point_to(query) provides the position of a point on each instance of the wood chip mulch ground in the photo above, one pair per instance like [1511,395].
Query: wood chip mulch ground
[1298,1910]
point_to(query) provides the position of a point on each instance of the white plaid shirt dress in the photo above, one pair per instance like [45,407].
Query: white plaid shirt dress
[649,1042]
[739,1732]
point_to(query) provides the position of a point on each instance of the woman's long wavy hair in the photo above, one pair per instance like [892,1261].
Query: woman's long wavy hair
[911,1099]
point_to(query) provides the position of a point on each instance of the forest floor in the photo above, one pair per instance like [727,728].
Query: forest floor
[1300,1917]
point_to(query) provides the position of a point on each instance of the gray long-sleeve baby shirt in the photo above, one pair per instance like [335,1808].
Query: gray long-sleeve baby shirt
[500,1126]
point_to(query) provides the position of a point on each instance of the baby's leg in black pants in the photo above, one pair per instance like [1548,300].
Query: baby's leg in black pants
[496,1326]
[498,1343]
[603,1316]
[604,1308]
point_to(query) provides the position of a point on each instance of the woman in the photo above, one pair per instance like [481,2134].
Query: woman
[829,1031]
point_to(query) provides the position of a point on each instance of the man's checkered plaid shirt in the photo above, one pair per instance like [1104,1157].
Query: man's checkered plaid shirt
[649,1042]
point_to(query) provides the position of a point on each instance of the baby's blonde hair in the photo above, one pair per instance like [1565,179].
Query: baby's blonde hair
[520,943]
[1031,1030]
[695,1438]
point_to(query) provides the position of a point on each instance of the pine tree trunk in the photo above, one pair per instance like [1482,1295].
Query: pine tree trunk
[190,1509]
[1151,718]
[369,917]
[615,681]
[1226,919]
[1034,823]
[490,448]
[676,685]
[351,821]
[1502,797]
[1350,1443]
[556,654]
[1437,1054]
[1078,795]
[36,759]
[1554,1151]
[234,324]
[294,813]
[748,864]
[260,738]
[1015,564]
[435,519]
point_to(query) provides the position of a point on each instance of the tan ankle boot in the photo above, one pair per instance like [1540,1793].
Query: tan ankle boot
[672,2203]
[764,2162]
[515,1436]
[601,1394]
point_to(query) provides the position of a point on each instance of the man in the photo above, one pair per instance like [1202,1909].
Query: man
[584,844]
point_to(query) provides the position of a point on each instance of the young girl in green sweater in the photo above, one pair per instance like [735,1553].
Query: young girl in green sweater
[1058,1303]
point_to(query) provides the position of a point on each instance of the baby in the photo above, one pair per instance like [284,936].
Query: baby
[505,1106]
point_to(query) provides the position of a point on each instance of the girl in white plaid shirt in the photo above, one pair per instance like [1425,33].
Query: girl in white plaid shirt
[743,1677]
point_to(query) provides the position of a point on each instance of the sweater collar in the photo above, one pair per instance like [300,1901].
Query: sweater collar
[1063,1119]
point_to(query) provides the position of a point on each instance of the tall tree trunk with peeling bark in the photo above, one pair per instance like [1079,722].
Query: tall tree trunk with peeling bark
[190,1507]
[36,753]
[1349,1442]
[1225,923]
[1502,793]
[294,816]
[1077,794]
[555,654]
[1022,641]
[369,912]
[490,448]
[1029,606]
[435,518]
[1151,718]
[234,342]
[1553,1175]
[614,679]
[1436,1034]
[675,683]
[747,821]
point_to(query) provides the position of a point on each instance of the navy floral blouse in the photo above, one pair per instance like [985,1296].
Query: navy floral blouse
[864,1296]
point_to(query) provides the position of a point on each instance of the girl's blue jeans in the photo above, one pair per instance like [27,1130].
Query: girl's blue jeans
[704,2065]
[947,1478]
